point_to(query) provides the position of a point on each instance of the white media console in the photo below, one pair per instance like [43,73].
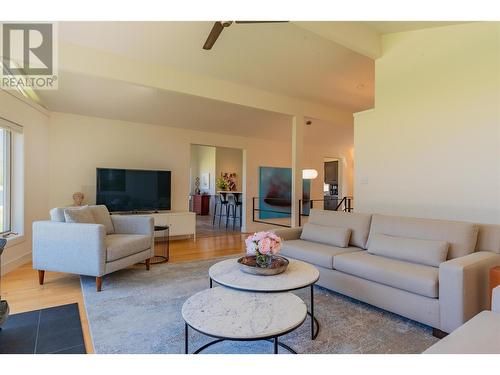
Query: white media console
[181,223]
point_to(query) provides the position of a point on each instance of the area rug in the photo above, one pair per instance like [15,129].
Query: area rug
[139,311]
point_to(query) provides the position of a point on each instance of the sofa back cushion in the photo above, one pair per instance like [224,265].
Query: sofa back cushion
[82,215]
[426,252]
[358,223]
[488,238]
[461,236]
[102,216]
[327,235]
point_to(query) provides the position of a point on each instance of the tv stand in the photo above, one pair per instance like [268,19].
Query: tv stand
[181,223]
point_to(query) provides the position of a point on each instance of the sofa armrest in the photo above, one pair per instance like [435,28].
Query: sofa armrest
[133,224]
[69,247]
[495,300]
[463,287]
[288,234]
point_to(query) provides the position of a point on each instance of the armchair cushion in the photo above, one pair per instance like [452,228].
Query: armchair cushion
[57,214]
[122,245]
[81,215]
[102,216]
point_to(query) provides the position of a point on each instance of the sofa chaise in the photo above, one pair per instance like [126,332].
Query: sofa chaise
[94,245]
[432,271]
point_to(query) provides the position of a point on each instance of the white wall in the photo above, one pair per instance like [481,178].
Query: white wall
[431,146]
[30,193]
[229,160]
[79,144]
[203,160]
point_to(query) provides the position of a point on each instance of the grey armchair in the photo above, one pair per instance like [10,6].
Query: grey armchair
[87,249]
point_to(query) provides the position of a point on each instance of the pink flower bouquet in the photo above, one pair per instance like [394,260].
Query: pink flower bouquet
[263,245]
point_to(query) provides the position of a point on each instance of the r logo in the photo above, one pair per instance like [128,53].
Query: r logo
[27,49]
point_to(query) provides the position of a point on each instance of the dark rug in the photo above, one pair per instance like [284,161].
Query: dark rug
[55,330]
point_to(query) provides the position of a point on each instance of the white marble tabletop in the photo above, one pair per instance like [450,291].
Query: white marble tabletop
[297,275]
[232,314]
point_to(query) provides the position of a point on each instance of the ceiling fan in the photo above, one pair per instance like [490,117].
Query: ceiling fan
[220,25]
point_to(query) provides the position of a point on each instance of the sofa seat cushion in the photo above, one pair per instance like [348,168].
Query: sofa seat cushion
[414,278]
[122,245]
[313,252]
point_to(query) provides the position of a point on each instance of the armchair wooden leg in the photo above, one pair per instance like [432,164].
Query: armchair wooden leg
[148,264]
[41,275]
[98,283]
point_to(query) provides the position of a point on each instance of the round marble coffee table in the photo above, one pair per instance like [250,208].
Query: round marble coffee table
[227,314]
[298,275]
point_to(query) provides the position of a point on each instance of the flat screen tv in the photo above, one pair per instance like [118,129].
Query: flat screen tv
[133,189]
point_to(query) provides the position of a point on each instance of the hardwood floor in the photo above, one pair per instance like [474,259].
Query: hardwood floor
[20,287]
[205,228]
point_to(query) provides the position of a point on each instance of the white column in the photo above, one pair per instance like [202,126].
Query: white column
[297,150]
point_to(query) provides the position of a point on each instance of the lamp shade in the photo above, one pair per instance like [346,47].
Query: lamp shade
[309,174]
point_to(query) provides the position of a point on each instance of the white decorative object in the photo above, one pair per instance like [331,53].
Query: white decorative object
[78,198]
[309,174]
[205,181]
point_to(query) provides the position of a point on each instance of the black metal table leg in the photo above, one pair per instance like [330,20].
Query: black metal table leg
[210,283]
[186,336]
[312,312]
[276,345]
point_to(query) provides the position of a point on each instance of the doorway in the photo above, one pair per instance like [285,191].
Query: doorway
[216,189]
[331,184]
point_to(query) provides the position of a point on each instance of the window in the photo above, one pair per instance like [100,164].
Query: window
[5,167]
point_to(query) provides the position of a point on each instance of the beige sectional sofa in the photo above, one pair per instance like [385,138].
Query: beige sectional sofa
[431,271]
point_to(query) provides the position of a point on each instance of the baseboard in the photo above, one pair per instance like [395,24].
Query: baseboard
[15,263]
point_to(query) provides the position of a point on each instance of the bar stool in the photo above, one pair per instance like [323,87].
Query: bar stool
[235,208]
[222,202]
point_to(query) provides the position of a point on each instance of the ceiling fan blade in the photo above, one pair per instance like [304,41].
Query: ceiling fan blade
[214,34]
[260,21]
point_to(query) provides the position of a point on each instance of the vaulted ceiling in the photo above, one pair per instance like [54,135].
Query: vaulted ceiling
[281,58]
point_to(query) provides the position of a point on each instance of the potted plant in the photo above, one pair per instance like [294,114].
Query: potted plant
[263,245]
[221,184]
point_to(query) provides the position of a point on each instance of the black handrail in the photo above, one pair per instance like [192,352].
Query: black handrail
[345,204]
[273,211]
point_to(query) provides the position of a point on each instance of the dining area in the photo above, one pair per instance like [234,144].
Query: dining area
[228,210]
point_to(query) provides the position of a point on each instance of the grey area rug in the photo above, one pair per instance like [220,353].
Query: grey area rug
[140,312]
